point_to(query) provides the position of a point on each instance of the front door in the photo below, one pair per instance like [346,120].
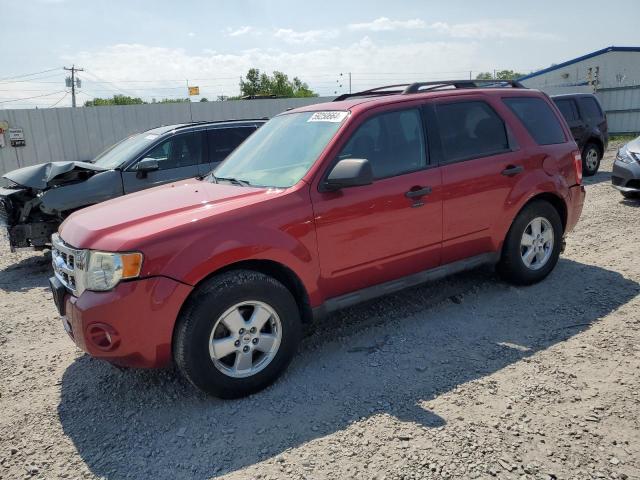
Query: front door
[178,157]
[375,233]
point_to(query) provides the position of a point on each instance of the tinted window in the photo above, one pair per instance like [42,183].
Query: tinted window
[538,119]
[223,141]
[568,109]
[469,130]
[179,151]
[392,142]
[590,108]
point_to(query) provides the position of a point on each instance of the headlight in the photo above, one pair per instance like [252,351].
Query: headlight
[625,156]
[104,270]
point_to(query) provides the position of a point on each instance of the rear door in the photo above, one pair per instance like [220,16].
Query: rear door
[221,142]
[479,165]
[595,117]
[577,125]
[178,157]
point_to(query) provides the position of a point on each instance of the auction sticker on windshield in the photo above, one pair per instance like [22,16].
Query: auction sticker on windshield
[335,117]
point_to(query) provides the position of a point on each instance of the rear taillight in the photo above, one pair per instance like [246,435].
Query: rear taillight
[577,165]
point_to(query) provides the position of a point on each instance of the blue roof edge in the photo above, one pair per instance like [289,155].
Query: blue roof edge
[579,59]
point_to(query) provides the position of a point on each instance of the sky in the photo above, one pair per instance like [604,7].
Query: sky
[154,49]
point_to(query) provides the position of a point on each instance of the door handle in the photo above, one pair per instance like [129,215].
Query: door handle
[512,170]
[418,192]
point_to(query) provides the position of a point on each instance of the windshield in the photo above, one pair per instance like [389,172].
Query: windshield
[282,151]
[117,154]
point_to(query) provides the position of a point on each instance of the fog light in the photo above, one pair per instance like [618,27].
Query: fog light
[103,336]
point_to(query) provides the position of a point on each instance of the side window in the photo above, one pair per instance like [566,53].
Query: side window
[538,119]
[470,130]
[568,109]
[178,151]
[223,141]
[590,108]
[392,142]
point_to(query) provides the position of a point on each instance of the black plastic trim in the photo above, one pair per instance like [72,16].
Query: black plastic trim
[392,286]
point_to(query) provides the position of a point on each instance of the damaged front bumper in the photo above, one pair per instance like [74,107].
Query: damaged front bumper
[14,230]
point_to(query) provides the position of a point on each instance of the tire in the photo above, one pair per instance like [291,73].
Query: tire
[631,195]
[212,317]
[591,156]
[512,266]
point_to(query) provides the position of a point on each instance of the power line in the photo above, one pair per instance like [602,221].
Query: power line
[29,74]
[31,80]
[29,98]
[63,97]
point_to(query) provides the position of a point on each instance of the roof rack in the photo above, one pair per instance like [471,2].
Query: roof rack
[201,122]
[419,87]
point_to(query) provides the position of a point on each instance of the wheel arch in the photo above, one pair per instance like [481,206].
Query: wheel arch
[274,269]
[555,200]
[598,143]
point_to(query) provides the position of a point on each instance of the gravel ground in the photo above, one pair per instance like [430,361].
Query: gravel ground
[463,378]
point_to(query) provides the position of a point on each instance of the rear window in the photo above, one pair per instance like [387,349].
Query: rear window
[590,108]
[538,119]
[470,130]
[568,109]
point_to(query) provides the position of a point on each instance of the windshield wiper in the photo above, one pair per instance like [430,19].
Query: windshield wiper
[234,181]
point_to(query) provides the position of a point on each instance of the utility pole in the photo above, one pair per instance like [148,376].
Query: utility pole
[73,71]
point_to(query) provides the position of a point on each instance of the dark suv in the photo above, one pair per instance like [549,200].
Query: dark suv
[588,124]
[38,198]
[325,206]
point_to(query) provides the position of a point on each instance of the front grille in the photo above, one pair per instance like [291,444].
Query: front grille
[67,263]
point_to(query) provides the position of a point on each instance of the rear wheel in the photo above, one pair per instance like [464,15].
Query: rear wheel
[237,334]
[591,157]
[532,246]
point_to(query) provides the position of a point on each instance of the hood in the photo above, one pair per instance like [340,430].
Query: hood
[634,145]
[47,175]
[123,222]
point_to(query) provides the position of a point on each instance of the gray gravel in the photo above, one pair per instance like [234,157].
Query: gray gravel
[463,378]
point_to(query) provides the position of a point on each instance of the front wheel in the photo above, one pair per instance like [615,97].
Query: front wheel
[532,246]
[237,334]
[590,159]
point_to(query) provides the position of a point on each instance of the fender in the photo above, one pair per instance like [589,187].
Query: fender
[535,183]
[280,230]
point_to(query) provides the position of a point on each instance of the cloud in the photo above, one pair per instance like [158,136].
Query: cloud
[309,36]
[126,65]
[191,34]
[386,24]
[490,29]
[239,31]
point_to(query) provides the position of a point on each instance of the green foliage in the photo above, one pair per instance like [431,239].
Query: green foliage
[204,99]
[171,100]
[278,84]
[116,100]
[500,75]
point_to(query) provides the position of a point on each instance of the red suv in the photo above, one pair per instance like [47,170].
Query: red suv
[323,207]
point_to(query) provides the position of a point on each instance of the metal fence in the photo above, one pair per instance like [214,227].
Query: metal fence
[79,134]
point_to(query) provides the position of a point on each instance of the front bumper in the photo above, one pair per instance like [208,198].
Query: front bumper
[131,325]
[626,176]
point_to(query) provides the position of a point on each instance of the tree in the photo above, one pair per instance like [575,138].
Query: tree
[500,75]
[278,84]
[116,100]
[204,99]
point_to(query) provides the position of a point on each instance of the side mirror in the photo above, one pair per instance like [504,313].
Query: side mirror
[146,165]
[350,172]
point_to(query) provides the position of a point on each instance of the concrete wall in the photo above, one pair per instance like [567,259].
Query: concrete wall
[81,133]
[618,86]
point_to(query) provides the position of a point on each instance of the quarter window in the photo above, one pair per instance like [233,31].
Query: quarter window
[470,130]
[538,118]
[392,142]
[179,151]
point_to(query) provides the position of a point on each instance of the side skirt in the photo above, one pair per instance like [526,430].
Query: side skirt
[375,291]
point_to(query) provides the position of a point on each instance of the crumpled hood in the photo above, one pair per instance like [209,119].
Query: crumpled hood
[39,176]
[123,222]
